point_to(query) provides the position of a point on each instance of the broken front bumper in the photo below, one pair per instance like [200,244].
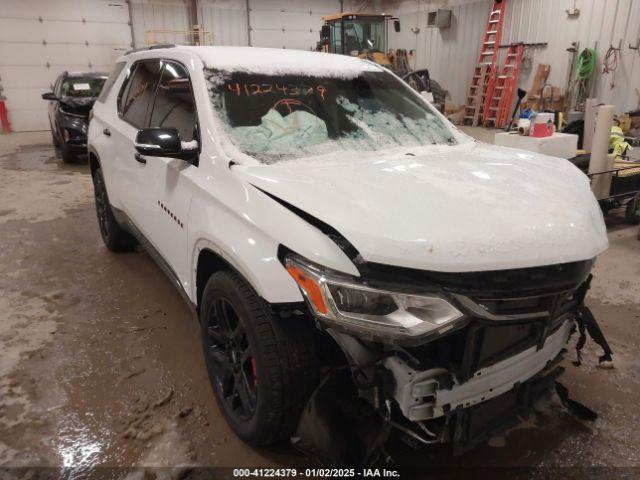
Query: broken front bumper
[472,381]
[424,395]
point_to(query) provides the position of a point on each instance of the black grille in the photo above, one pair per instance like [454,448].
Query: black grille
[514,283]
[505,321]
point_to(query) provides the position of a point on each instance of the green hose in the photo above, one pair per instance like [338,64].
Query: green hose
[586,63]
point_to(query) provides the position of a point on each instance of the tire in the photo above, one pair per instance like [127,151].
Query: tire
[56,142]
[262,367]
[113,235]
[67,155]
[632,212]
[439,93]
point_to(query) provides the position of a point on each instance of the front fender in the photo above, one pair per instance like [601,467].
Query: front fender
[245,227]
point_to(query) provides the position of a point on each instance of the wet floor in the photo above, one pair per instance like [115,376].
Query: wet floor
[100,361]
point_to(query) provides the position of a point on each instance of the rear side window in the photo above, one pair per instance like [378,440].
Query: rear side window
[174,105]
[138,92]
[113,76]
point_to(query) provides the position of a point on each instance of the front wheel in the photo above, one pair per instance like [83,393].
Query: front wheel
[56,142]
[262,367]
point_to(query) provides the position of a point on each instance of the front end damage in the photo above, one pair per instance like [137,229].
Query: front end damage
[457,383]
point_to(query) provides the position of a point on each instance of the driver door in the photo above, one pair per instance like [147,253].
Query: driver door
[168,178]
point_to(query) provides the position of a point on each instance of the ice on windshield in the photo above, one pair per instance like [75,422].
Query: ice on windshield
[379,129]
[278,118]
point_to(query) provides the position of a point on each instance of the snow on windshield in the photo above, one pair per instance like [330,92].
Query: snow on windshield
[276,61]
[275,118]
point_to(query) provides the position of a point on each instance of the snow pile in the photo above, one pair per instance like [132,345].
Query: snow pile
[272,61]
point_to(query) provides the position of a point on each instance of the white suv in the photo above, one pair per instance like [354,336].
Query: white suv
[344,246]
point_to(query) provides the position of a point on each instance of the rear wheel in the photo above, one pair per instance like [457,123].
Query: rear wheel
[114,236]
[261,367]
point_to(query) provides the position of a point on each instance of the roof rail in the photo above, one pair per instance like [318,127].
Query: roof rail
[152,47]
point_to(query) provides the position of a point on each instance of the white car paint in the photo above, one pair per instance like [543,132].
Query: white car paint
[467,207]
[462,208]
[448,208]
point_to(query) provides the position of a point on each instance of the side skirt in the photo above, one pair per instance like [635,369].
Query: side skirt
[125,222]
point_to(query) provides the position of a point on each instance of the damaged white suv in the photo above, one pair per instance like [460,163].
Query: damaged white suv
[358,265]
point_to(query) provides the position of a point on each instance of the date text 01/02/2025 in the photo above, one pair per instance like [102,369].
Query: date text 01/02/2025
[316,472]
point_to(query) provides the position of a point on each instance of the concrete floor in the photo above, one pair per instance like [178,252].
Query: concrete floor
[100,362]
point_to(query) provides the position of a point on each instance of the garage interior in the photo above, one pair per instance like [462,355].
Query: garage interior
[100,365]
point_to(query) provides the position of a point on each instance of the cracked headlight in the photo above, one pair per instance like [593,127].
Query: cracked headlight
[374,313]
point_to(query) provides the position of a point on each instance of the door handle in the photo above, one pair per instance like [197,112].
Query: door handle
[140,159]
[106,132]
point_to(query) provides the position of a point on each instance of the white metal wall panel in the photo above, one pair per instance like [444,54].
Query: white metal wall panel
[226,20]
[279,24]
[149,15]
[39,39]
[450,54]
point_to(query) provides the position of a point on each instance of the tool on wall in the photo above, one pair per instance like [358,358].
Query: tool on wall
[610,63]
[484,75]
[573,53]
[585,68]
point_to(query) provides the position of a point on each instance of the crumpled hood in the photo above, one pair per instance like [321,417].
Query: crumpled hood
[78,105]
[470,207]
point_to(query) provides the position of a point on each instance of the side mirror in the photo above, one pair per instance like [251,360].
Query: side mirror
[396,25]
[49,96]
[165,142]
[325,33]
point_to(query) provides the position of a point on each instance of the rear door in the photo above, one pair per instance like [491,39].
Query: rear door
[134,101]
[168,178]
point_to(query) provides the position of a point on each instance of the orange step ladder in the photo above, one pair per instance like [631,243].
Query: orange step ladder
[484,73]
[497,108]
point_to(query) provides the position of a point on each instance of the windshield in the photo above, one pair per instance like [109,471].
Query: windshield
[82,86]
[292,116]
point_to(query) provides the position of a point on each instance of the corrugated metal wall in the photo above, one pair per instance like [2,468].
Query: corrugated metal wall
[279,24]
[147,15]
[40,39]
[451,53]
[273,23]
[96,31]
[226,20]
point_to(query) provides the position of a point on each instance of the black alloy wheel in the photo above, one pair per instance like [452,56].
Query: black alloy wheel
[233,359]
[262,367]
[102,203]
[113,235]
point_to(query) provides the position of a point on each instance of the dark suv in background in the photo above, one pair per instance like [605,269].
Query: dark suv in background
[70,102]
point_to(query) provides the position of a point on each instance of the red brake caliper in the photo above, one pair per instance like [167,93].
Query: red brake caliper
[254,369]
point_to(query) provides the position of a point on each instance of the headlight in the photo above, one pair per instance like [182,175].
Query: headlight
[374,313]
